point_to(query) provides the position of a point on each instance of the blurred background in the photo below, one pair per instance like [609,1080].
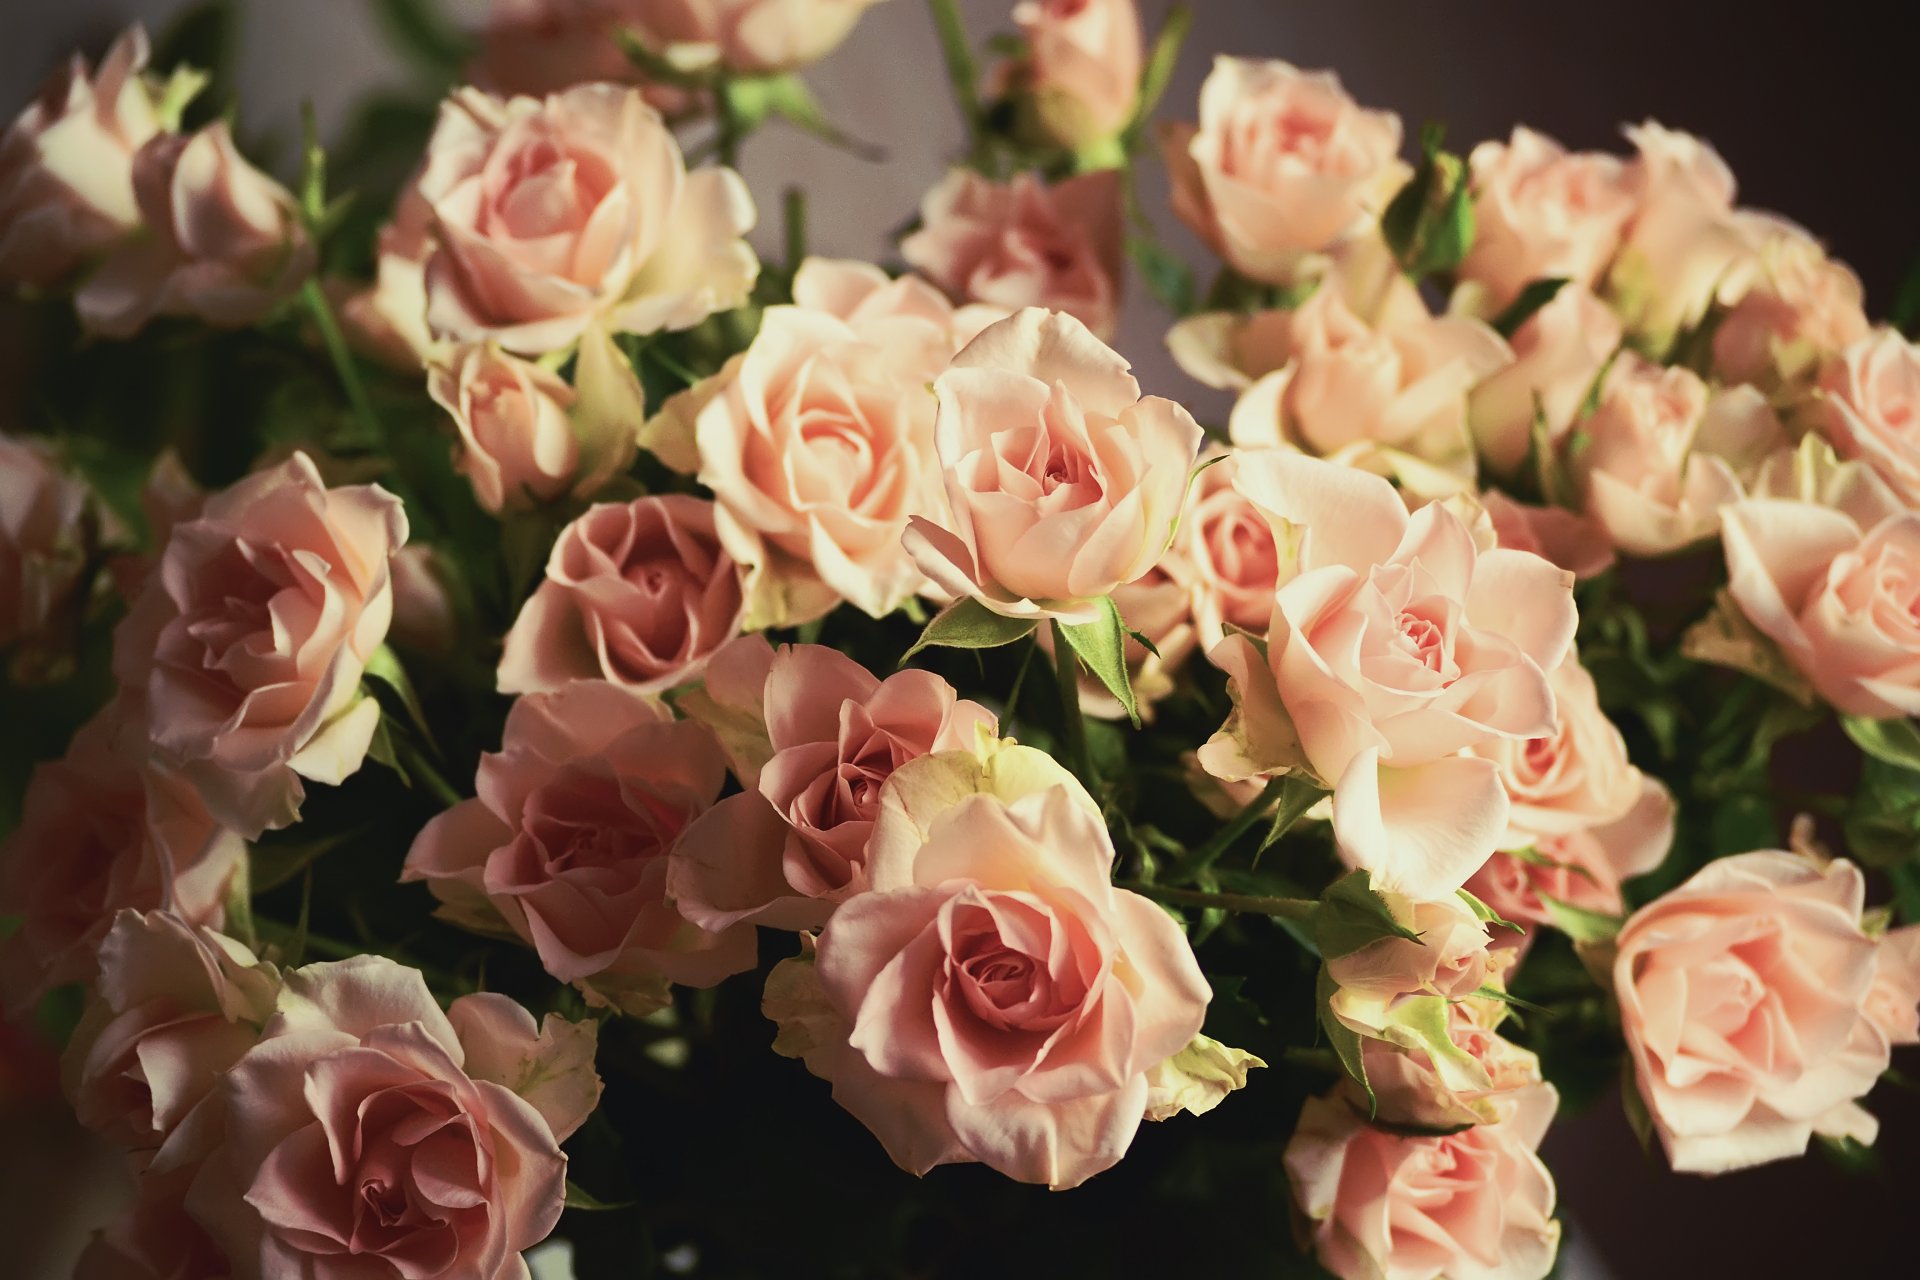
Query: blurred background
[1804,110]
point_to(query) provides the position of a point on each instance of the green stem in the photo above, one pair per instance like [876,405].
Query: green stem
[1066,672]
[343,364]
[728,133]
[418,766]
[1209,853]
[795,206]
[961,72]
[1250,904]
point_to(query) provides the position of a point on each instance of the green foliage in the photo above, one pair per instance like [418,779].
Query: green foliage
[1537,294]
[422,34]
[1353,916]
[968,624]
[1167,278]
[1429,224]
[1102,645]
[1894,742]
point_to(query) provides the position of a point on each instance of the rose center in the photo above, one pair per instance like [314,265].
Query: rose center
[388,1203]
[1424,640]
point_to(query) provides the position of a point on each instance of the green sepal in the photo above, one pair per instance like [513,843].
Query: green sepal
[1344,1039]
[1353,916]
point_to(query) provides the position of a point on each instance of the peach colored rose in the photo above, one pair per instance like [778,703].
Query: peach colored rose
[568,844]
[1796,314]
[1233,554]
[222,242]
[173,1008]
[1026,244]
[44,536]
[1872,399]
[639,593]
[1397,645]
[250,640]
[1741,996]
[1082,67]
[516,446]
[1684,237]
[1411,1087]
[1664,454]
[1282,164]
[1473,1205]
[1399,989]
[751,37]
[994,997]
[1893,1002]
[549,1066]
[1320,379]
[539,47]
[355,1144]
[1583,867]
[794,843]
[1573,777]
[1559,353]
[153,1238]
[1063,481]
[1575,542]
[1540,212]
[66,164]
[550,215]
[104,828]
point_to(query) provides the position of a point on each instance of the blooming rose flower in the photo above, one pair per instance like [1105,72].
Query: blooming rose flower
[548,1066]
[1418,1087]
[223,241]
[387,321]
[1583,867]
[1233,554]
[994,997]
[66,164]
[567,845]
[1893,1002]
[1026,244]
[1397,645]
[1664,454]
[104,828]
[1473,1205]
[1082,67]
[43,540]
[516,446]
[539,47]
[1400,990]
[1576,543]
[1559,354]
[1799,310]
[1683,238]
[793,844]
[173,1008]
[250,640]
[356,1144]
[1541,212]
[1063,482]
[1282,164]
[1575,776]
[1741,995]
[640,593]
[751,37]
[1321,379]
[549,215]
[1872,399]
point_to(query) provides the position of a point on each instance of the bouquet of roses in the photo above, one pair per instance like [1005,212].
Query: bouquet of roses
[509,668]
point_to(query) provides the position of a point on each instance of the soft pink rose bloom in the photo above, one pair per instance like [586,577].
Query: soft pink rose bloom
[516,445]
[1575,542]
[1893,1002]
[43,539]
[102,829]
[1573,777]
[539,47]
[1741,997]
[153,1238]
[1541,212]
[550,215]
[567,846]
[1282,164]
[1684,237]
[549,1065]
[1558,355]
[1397,645]
[1473,1205]
[222,242]
[639,593]
[66,164]
[1584,867]
[174,1006]
[1024,243]
[1321,379]
[355,1144]
[995,998]
[1797,312]
[1664,454]
[1062,480]
[751,37]
[1872,400]
[1410,1087]
[794,843]
[1083,66]
[1233,554]
[1448,960]
[250,639]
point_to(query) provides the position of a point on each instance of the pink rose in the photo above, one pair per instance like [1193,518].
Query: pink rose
[387,321]
[1573,777]
[1282,164]
[516,445]
[1471,1080]
[1400,990]
[1893,1002]
[794,843]
[1397,645]
[1082,67]
[550,215]
[1026,244]
[568,844]
[102,829]
[1575,542]
[539,47]
[1664,454]
[222,241]
[639,593]
[1559,353]
[356,1144]
[1583,867]
[1541,212]
[1872,399]
[1233,554]
[250,640]
[1683,238]
[66,164]
[1797,314]
[750,37]
[994,997]
[1063,482]
[549,1066]
[1473,1205]
[173,1008]
[44,536]
[1741,996]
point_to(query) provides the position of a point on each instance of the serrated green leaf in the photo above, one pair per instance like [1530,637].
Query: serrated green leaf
[1579,923]
[381,750]
[1298,794]
[752,99]
[1102,645]
[1344,1039]
[577,1198]
[1895,742]
[1353,916]
[1537,294]
[968,624]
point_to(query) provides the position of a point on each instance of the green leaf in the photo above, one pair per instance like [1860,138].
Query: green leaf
[1905,315]
[1159,69]
[313,173]
[1638,1117]
[1883,818]
[968,624]
[1579,923]
[1507,997]
[384,668]
[1486,914]
[1167,278]
[273,862]
[1298,793]
[1102,645]
[1344,1039]
[1897,742]
[577,1198]
[381,750]
[1429,224]
[753,99]
[1353,916]
[1536,295]
[423,36]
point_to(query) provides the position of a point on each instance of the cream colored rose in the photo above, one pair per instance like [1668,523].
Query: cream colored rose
[1541,212]
[1558,354]
[1789,315]
[752,37]
[1575,777]
[1871,396]
[1683,239]
[1082,67]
